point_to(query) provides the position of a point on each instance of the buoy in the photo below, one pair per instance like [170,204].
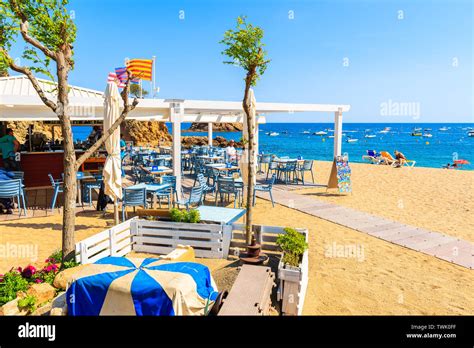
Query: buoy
[427,143]
[324,139]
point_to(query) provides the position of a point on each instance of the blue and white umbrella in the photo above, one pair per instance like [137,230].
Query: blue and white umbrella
[133,286]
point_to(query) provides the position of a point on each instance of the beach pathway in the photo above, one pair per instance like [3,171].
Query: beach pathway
[444,247]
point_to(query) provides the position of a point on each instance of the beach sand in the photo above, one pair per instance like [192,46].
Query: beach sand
[440,200]
[383,279]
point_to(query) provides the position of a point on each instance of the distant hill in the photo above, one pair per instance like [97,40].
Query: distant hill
[216,127]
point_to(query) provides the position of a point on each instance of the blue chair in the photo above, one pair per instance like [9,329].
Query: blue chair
[272,168]
[195,197]
[263,159]
[227,187]
[21,176]
[88,186]
[306,167]
[265,188]
[288,170]
[206,188]
[13,189]
[169,192]
[57,188]
[133,198]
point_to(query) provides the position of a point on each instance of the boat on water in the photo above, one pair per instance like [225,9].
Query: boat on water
[428,129]
[273,134]
[416,134]
[386,130]
[443,129]
[352,140]
[320,133]
[427,135]
[470,133]
[370,136]
[416,129]
[306,132]
[284,132]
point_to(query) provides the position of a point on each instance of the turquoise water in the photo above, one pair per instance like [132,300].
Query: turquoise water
[81,132]
[434,152]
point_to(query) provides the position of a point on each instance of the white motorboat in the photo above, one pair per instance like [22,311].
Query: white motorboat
[273,134]
[320,133]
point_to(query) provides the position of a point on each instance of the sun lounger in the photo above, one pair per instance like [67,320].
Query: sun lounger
[373,157]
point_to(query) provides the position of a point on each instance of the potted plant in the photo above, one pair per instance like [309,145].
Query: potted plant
[293,270]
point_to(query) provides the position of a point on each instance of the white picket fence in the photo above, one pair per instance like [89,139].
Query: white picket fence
[156,237]
[162,237]
[116,241]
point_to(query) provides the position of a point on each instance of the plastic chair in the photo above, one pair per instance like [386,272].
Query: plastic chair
[306,167]
[287,170]
[206,188]
[265,188]
[226,186]
[167,193]
[88,186]
[272,168]
[264,159]
[57,188]
[195,197]
[13,189]
[133,198]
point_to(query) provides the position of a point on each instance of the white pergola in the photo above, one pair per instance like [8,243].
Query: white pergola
[20,102]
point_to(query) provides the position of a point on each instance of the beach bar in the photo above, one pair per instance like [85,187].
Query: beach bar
[20,102]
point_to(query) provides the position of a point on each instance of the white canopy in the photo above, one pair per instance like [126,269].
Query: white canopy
[20,102]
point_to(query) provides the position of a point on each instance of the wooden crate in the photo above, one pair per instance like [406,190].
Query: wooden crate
[250,294]
[162,237]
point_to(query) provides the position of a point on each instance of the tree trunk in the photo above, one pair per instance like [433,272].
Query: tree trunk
[251,160]
[69,161]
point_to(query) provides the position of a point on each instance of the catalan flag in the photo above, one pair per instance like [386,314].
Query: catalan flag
[141,68]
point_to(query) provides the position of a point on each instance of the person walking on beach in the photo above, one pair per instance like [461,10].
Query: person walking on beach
[9,146]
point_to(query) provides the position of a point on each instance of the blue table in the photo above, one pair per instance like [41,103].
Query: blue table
[220,215]
[150,187]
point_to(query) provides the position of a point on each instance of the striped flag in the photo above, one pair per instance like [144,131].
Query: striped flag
[141,68]
[122,75]
[113,78]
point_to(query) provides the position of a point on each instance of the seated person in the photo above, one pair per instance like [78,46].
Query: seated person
[6,203]
[400,158]
[231,152]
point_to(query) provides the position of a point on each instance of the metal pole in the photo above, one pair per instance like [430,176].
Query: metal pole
[116,213]
[153,67]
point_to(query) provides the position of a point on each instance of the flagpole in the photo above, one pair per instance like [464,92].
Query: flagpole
[153,66]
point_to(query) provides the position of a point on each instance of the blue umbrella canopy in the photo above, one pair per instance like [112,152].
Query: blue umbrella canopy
[136,286]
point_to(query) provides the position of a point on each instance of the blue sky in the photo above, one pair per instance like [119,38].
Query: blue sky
[424,60]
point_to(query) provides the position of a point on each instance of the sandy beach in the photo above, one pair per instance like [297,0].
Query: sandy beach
[383,279]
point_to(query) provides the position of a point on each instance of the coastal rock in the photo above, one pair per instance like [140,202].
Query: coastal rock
[144,133]
[43,310]
[43,292]
[59,305]
[40,130]
[11,308]
[62,278]
[188,142]
[216,127]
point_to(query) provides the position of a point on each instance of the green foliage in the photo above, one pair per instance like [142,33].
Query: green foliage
[55,257]
[70,264]
[10,284]
[191,216]
[49,22]
[135,90]
[28,303]
[245,49]
[293,245]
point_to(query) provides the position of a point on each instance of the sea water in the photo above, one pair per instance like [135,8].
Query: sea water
[442,148]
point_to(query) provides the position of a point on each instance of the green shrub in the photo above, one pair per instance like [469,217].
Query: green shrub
[28,303]
[10,284]
[191,216]
[293,245]
[176,215]
[194,216]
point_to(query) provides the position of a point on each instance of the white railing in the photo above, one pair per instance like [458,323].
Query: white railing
[116,241]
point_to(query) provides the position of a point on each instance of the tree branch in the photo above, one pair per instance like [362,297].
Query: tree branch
[27,72]
[24,31]
[127,108]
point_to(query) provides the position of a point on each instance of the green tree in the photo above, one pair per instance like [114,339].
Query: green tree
[48,30]
[137,91]
[245,49]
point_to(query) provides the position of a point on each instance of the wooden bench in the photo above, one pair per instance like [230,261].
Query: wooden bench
[250,294]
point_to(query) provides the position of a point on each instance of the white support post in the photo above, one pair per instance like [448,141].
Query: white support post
[256,138]
[337,132]
[176,116]
[209,133]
